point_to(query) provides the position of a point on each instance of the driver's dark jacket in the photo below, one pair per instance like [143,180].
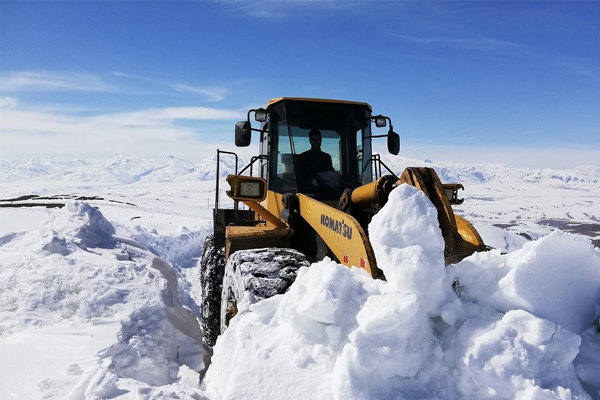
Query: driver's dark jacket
[311,162]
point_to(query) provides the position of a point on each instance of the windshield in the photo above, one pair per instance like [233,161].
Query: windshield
[320,147]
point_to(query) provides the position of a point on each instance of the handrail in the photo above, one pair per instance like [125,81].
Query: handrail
[252,161]
[217,177]
[378,163]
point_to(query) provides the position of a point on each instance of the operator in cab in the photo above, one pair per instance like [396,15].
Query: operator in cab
[314,160]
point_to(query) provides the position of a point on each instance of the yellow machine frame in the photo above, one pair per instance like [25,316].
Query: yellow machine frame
[341,232]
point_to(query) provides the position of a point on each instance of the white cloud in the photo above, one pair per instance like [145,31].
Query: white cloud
[8,102]
[558,156]
[154,117]
[53,81]
[153,132]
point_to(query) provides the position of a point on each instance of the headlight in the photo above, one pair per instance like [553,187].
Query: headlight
[247,188]
[260,115]
[250,189]
[380,121]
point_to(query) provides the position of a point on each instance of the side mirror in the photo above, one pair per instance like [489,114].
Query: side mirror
[393,142]
[243,134]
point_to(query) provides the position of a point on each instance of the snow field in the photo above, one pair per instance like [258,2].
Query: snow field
[90,309]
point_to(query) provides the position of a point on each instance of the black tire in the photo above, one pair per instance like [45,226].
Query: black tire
[262,272]
[212,266]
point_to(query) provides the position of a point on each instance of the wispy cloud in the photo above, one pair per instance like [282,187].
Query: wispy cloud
[127,75]
[479,43]
[274,9]
[211,94]
[576,67]
[122,83]
[53,81]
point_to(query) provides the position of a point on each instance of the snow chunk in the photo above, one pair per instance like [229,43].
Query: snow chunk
[92,229]
[571,286]
[524,357]
[324,296]
[391,328]
[409,247]
[587,363]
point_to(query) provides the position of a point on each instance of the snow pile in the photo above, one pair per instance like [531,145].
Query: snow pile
[114,304]
[515,327]
[543,278]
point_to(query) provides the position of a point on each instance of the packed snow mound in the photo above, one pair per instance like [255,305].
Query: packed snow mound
[514,327]
[77,225]
[556,277]
[72,275]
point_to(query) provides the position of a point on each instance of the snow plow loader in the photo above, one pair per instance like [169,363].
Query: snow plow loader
[310,193]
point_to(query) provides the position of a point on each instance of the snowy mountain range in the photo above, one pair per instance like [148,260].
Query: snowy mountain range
[119,169]
[125,169]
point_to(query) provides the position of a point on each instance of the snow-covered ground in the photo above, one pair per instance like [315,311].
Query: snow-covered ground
[99,299]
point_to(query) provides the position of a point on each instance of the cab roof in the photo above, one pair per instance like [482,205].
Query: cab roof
[312,100]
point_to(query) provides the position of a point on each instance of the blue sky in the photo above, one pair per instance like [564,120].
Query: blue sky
[514,82]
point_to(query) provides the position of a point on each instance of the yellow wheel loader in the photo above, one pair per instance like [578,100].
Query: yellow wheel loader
[310,193]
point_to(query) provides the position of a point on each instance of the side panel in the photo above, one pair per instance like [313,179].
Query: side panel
[341,232]
[273,204]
